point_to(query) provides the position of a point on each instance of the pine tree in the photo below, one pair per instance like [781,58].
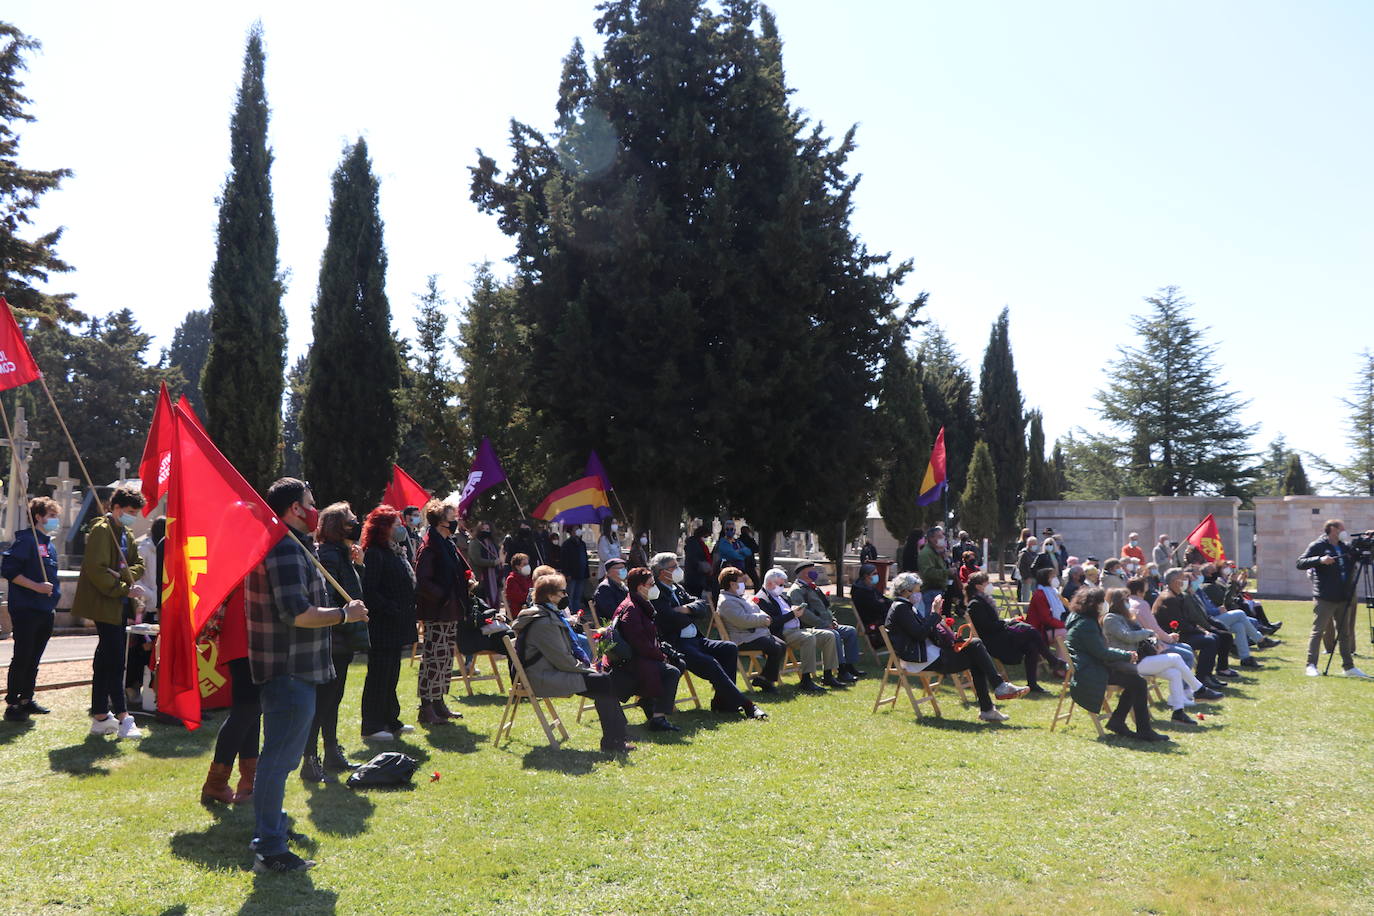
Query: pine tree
[1002,424]
[348,419]
[291,418]
[430,435]
[980,515]
[948,391]
[244,373]
[1180,429]
[1295,478]
[1356,478]
[25,262]
[189,349]
[907,439]
[1273,469]
[1040,478]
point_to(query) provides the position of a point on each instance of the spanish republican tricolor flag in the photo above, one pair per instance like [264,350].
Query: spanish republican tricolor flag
[1206,537]
[579,503]
[933,486]
[218,529]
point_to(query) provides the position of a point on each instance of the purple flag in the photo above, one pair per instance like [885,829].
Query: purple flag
[486,473]
[596,469]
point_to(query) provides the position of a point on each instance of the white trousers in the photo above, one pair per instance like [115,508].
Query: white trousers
[1182,683]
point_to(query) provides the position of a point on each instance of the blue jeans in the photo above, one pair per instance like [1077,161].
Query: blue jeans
[575,587]
[1242,628]
[1182,650]
[288,709]
[847,643]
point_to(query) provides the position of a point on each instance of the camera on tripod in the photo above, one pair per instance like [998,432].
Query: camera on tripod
[1362,542]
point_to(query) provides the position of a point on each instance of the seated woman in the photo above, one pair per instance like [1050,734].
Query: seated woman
[750,627]
[1046,611]
[1113,574]
[1095,665]
[869,604]
[1144,615]
[1074,579]
[1123,632]
[648,674]
[1010,641]
[923,642]
[518,584]
[558,668]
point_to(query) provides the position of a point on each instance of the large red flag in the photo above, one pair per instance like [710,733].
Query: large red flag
[185,404]
[156,463]
[218,529]
[1207,539]
[16,362]
[404,490]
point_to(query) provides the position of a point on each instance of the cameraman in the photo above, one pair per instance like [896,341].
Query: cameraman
[1330,564]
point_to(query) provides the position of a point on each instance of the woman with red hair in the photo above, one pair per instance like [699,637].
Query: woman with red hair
[389,590]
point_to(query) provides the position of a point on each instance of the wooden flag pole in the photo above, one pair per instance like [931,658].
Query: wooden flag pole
[9,431]
[521,510]
[320,566]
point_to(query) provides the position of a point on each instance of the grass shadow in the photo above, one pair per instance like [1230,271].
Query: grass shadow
[572,761]
[456,738]
[222,845]
[965,725]
[338,810]
[172,739]
[80,759]
[295,894]
[481,699]
[9,731]
[180,909]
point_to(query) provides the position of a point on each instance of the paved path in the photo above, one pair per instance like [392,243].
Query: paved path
[60,649]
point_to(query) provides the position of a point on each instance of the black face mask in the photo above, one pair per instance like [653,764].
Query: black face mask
[484,534]
[354,531]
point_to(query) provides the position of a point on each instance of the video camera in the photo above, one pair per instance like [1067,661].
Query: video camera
[1362,542]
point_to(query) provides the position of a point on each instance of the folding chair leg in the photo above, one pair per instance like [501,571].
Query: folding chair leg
[496,673]
[691,690]
[507,719]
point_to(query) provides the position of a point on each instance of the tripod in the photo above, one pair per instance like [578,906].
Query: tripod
[1362,572]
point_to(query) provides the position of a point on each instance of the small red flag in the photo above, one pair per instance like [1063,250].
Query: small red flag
[218,529]
[156,463]
[16,362]
[1207,539]
[404,490]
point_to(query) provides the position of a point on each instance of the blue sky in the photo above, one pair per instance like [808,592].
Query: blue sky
[1063,159]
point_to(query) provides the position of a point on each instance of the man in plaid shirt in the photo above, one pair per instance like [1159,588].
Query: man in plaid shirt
[288,650]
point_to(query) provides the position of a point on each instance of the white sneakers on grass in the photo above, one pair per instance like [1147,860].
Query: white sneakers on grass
[380,736]
[1356,672]
[993,715]
[1009,691]
[1313,671]
[128,728]
[122,728]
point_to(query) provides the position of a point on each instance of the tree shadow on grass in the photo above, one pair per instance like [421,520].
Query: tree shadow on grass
[180,909]
[293,893]
[338,810]
[172,739]
[223,844]
[80,759]
[481,699]
[9,731]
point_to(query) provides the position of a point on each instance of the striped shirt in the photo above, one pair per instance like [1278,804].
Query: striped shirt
[284,585]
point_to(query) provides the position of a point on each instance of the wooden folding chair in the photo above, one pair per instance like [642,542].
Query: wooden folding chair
[894,669]
[1059,714]
[520,689]
[467,670]
[419,640]
[750,661]
[1001,669]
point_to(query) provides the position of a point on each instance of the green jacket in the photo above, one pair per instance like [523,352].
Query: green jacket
[816,612]
[931,566]
[1091,657]
[100,595]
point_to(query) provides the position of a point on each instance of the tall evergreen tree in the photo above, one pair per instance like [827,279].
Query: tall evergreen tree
[948,388]
[25,262]
[1002,424]
[1295,478]
[291,418]
[1356,478]
[979,514]
[189,349]
[1274,467]
[906,441]
[431,438]
[1181,434]
[1040,478]
[348,419]
[1060,465]
[244,373]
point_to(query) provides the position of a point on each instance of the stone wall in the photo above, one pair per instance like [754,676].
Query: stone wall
[1099,528]
[1285,525]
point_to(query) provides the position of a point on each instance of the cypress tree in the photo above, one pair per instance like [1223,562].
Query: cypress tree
[1295,478]
[25,262]
[291,418]
[244,373]
[190,346]
[348,419]
[979,514]
[1002,424]
[1040,477]
[1061,474]
[948,390]
[906,438]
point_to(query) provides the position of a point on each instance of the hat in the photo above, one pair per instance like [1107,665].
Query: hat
[614,561]
[867,569]
[801,567]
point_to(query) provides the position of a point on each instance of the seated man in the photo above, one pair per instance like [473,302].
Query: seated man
[817,614]
[1211,642]
[1235,598]
[805,642]
[749,627]
[1243,629]
[610,591]
[869,604]
[679,618]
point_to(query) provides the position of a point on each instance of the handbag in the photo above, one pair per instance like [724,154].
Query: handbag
[1145,648]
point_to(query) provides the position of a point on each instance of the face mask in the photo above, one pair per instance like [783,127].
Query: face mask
[1133,542]
[873,579]
[739,588]
[484,533]
[729,532]
[774,589]
[126,519]
[614,529]
[813,575]
[644,539]
[353,531]
[312,518]
[677,575]
[576,532]
[653,593]
[1197,583]
[1345,537]
[413,521]
[50,525]
[525,570]
[1049,546]
[1054,583]
[621,572]
[398,534]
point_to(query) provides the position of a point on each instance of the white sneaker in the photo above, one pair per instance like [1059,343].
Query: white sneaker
[1313,671]
[1356,672]
[128,728]
[1009,691]
[380,736]
[106,726]
[405,729]
[993,715]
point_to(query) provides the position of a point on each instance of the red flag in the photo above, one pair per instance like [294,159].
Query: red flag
[218,529]
[16,362]
[1207,539]
[185,405]
[156,462]
[404,490]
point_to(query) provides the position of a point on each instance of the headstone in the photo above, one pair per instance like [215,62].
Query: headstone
[123,465]
[67,498]
[21,450]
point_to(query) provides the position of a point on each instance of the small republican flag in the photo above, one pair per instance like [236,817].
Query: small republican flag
[933,486]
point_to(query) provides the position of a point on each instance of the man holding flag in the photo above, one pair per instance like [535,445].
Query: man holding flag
[289,650]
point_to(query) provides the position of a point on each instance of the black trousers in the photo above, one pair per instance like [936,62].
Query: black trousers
[773,650]
[32,630]
[381,710]
[1134,698]
[328,696]
[238,733]
[601,689]
[717,662]
[1204,647]
[974,659]
[107,670]
[626,680]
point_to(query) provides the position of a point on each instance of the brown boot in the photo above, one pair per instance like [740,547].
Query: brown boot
[248,768]
[442,709]
[428,715]
[216,788]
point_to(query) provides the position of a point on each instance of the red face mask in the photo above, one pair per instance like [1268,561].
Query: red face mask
[312,518]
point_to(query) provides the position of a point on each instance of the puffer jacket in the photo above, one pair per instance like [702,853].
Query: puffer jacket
[547,652]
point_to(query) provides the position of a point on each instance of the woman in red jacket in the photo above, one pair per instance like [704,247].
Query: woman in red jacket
[1047,612]
[654,680]
[518,585]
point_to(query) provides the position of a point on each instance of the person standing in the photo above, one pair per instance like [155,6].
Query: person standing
[639,552]
[288,653]
[1162,555]
[1025,566]
[608,545]
[441,600]
[575,567]
[1330,566]
[485,555]
[389,590]
[1132,549]
[30,565]
[931,565]
[751,562]
[240,731]
[110,571]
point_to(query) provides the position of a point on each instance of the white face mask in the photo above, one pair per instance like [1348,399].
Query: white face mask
[614,529]
[644,539]
[653,593]
[1054,583]
[576,532]
[524,570]
[1049,545]
[677,575]
[739,588]
[774,589]
[1345,537]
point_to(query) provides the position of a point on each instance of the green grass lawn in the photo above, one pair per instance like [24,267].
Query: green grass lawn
[827,808]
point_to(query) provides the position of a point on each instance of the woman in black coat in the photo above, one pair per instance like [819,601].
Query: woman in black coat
[1008,641]
[389,591]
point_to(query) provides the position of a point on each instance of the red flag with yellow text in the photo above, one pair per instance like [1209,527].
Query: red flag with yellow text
[1207,539]
[156,464]
[218,529]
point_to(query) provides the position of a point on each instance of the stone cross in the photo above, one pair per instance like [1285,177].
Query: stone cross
[21,450]
[123,465]
[64,492]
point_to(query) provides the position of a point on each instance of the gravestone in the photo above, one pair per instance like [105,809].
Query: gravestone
[67,498]
[17,488]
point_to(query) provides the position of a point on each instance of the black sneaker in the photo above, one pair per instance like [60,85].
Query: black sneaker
[763,684]
[16,714]
[810,686]
[312,770]
[1207,693]
[1183,717]
[335,759]
[291,837]
[34,709]
[281,862]
[1249,663]
[660,724]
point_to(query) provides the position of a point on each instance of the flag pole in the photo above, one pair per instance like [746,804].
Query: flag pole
[320,566]
[521,510]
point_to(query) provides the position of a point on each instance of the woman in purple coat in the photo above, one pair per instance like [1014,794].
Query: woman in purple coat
[648,674]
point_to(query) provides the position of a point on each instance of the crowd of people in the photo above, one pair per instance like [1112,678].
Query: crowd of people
[627,636]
